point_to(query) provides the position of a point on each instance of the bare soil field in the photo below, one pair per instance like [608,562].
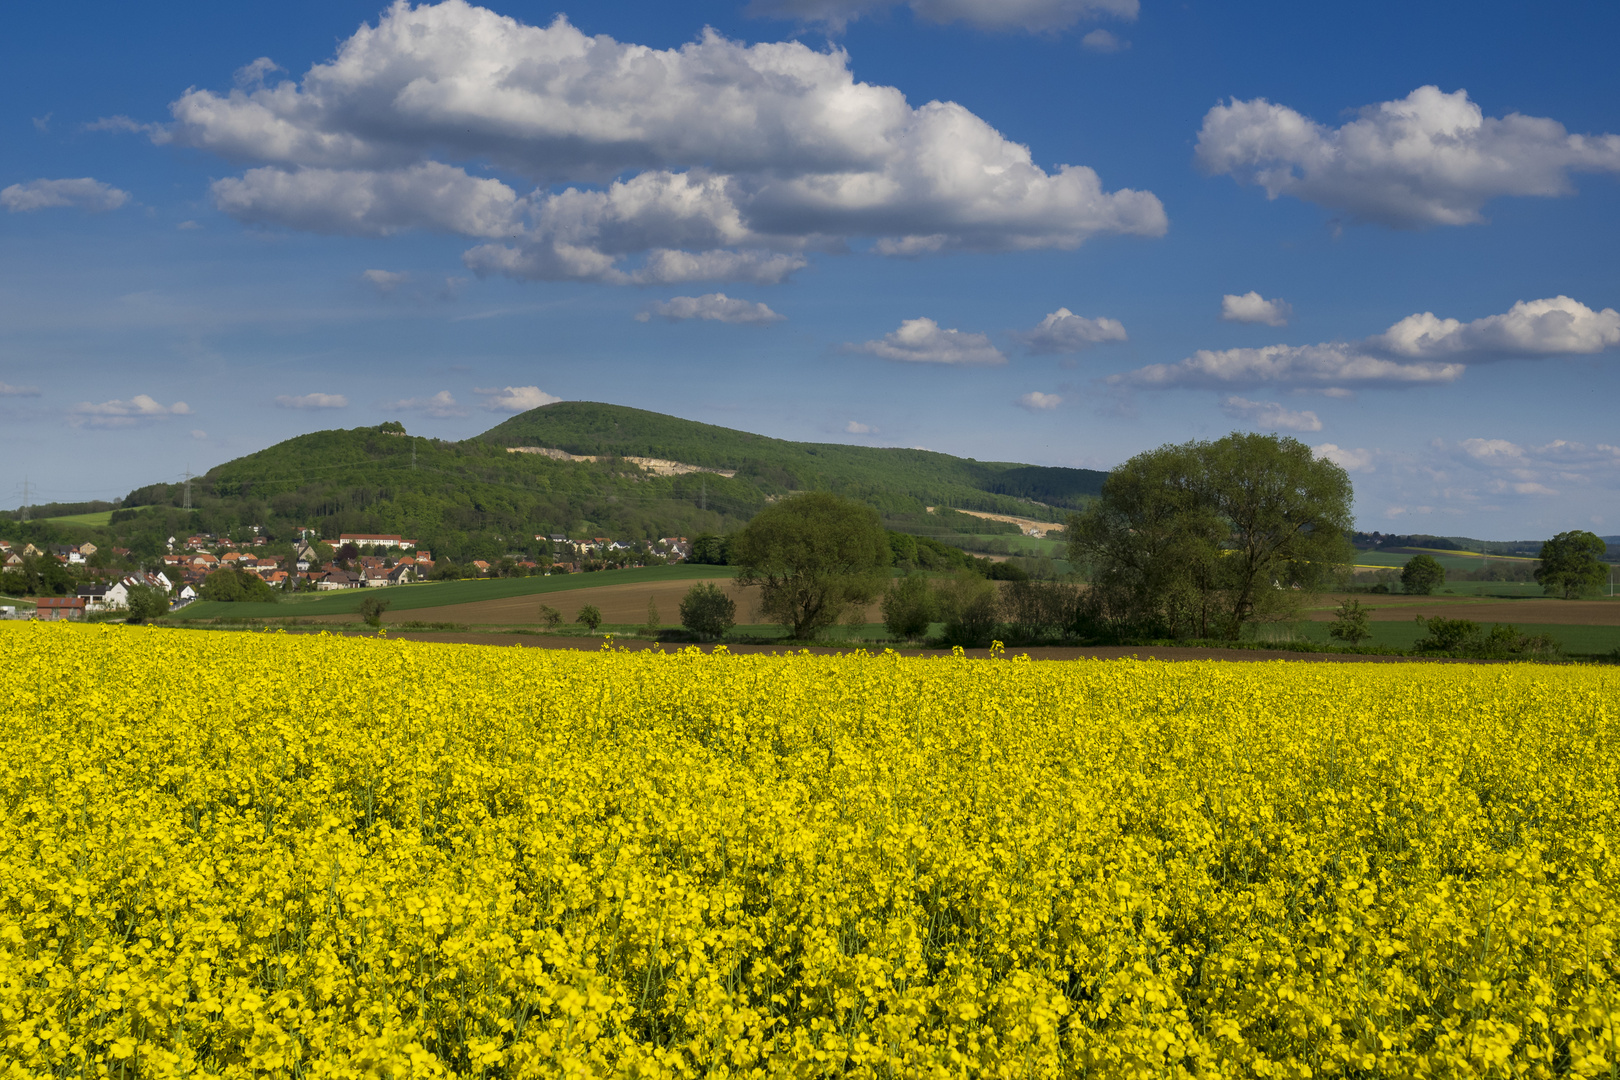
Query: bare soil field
[1026,524]
[1541,610]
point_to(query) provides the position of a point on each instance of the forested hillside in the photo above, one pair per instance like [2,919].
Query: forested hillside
[474,499]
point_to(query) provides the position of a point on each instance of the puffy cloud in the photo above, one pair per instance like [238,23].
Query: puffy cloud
[721,161]
[716,307]
[1297,365]
[1557,326]
[1035,401]
[112,414]
[364,202]
[440,405]
[1418,350]
[1251,307]
[385,281]
[855,427]
[922,341]
[1428,159]
[198,433]
[1065,332]
[7,390]
[514,399]
[1033,15]
[1359,460]
[312,401]
[1270,414]
[84,193]
[1104,41]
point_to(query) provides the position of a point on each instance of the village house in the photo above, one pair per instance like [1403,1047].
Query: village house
[382,540]
[114,597]
[59,608]
[338,579]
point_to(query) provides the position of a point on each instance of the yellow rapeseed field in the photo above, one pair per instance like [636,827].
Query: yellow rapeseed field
[261,854]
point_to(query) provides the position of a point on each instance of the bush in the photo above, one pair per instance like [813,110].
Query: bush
[372,608]
[589,617]
[1464,637]
[1350,623]
[967,604]
[1035,611]
[550,616]
[707,611]
[908,607]
[147,602]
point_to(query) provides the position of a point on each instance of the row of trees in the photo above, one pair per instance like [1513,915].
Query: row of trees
[1197,540]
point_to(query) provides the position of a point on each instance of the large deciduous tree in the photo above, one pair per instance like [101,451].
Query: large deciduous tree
[813,555]
[1422,574]
[1201,538]
[1572,564]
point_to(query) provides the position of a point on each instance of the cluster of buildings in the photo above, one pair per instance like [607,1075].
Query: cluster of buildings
[189,562]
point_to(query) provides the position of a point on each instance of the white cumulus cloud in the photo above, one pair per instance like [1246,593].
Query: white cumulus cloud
[855,427]
[82,194]
[923,341]
[1251,307]
[1032,15]
[1430,158]
[1035,401]
[7,390]
[312,401]
[1555,326]
[1292,365]
[369,202]
[1358,460]
[514,399]
[1270,415]
[1065,332]
[713,161]
[110,414]
[1418,350]
[716,307]
[440,405]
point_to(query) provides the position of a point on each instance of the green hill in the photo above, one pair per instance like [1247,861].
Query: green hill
[892,479]
[474,499]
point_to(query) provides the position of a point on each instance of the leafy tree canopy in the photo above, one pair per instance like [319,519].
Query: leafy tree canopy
[812,555]
[1204,537]
[1422,574]
[1572,564]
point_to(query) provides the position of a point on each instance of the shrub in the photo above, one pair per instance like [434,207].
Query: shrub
[967,604]
[707,611]
[372,608]
[589,617]
[908,607]
[1350,623]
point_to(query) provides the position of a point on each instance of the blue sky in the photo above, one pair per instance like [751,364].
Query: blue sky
[1056,231]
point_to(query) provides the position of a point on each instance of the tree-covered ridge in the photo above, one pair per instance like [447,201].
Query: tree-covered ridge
[473,499]
[892,479]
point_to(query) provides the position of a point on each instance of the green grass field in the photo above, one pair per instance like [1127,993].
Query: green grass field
[434,594]
[99,520]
